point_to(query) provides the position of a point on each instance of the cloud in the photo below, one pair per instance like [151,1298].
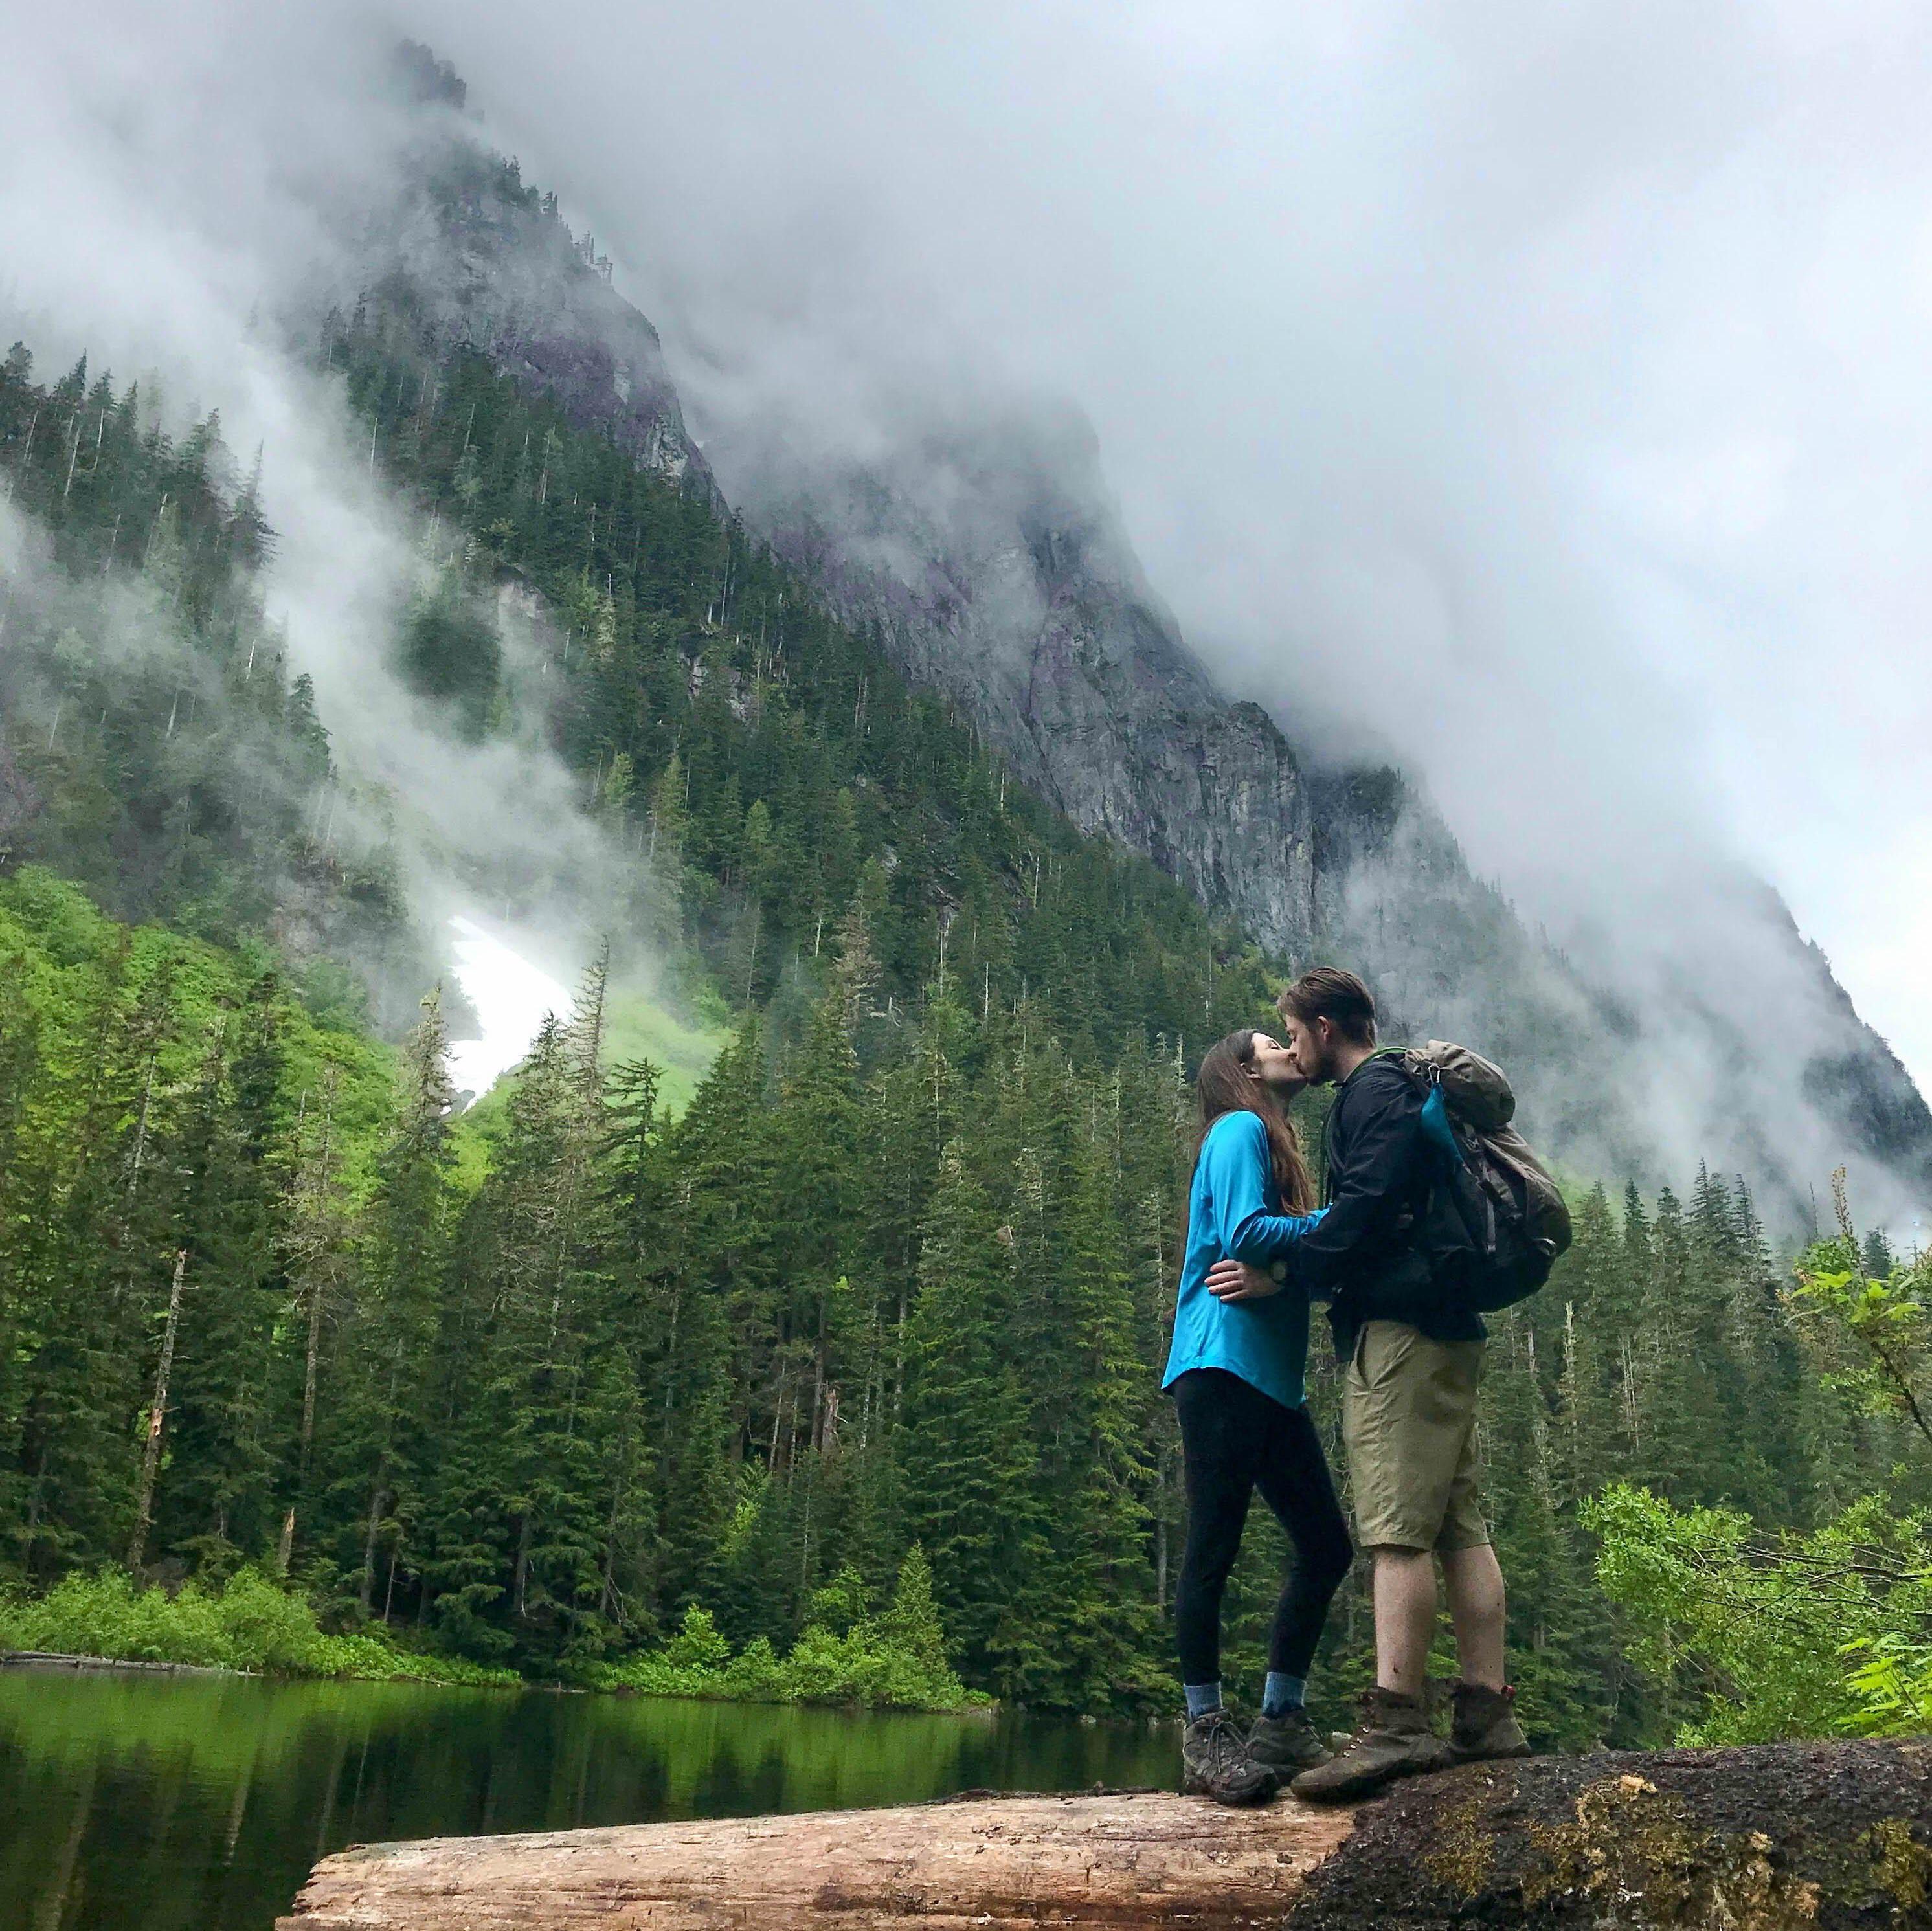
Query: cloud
[1540,391]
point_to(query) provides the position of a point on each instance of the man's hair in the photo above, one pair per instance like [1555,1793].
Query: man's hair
[1338,996]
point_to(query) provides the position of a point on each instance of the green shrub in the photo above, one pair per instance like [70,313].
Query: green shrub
[250,1623]
[896,1660]
[1768,1634]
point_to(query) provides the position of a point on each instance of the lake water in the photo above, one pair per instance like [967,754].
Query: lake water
[136,1802]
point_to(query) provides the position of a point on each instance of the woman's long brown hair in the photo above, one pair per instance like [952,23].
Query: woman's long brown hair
[1222,1086]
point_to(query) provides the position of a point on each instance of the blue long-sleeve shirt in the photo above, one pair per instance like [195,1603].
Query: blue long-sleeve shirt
[1233,1213]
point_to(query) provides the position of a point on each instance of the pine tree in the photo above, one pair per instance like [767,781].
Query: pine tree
[317,1261]
[215,1503]
[1595,1437]
[641,1308]
[966,1444]
[727,1255]
[379,1446]
[1554,1658]
[88,1194]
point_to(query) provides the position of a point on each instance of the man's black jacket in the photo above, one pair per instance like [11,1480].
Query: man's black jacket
[1363,1252]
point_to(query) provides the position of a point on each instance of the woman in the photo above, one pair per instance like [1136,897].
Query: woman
[1236,1371]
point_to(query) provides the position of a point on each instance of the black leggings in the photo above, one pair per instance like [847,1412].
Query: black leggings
[1234,1440]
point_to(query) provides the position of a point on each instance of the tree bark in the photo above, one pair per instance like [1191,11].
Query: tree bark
[1826,1837]
[157,1412]
[365,1594]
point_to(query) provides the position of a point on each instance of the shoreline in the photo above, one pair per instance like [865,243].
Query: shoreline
[62,1660]
[36,1659]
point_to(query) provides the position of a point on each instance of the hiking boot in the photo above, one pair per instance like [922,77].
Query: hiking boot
[1214,1762]
[1392,1740]
[1285,1744]
[1485,1725]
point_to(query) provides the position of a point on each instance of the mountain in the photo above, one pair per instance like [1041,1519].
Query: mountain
[475,261]
[984,549]
[994,566]
[990,561]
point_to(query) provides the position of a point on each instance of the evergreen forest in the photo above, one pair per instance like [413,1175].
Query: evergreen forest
[861,1339]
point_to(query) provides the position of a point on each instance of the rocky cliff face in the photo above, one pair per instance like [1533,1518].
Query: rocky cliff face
[472,258]
[986,552]
[992,566]
[989,557]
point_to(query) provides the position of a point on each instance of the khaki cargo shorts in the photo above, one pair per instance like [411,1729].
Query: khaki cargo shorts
[1408,1418]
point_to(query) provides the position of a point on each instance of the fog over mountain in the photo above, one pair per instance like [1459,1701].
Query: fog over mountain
[1529,401]
[1548,382]
[179,207]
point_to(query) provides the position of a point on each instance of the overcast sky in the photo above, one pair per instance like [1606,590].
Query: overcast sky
[1548,389]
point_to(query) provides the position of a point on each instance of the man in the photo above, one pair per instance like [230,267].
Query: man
[1413,1361]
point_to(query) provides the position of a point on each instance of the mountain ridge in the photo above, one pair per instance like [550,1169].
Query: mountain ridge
[988,558]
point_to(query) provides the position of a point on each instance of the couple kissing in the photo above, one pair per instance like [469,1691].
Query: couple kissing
[1433,1212]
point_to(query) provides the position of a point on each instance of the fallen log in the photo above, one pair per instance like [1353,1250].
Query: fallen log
[997,1863]
[1772,1839]
[43,1658]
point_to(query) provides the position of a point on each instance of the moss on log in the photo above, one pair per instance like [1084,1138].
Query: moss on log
[1774,1838]
[1833,1836]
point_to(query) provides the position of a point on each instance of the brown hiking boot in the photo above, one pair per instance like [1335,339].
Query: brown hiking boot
[1215,1762]
[1392,1740]
[1485,1725]
[1285,1744]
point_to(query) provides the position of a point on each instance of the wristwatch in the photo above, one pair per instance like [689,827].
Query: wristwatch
[1278,1273]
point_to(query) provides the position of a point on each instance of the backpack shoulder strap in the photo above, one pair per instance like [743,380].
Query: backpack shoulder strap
[1402,1056]
[1421,1072]
[1331,1121]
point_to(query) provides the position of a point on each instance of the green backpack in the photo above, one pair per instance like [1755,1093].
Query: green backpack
[1495,1221]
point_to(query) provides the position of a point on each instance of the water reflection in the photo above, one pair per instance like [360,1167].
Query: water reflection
[198,1804]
